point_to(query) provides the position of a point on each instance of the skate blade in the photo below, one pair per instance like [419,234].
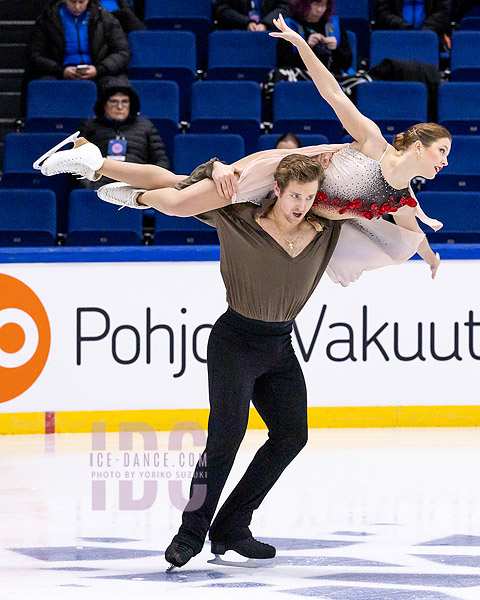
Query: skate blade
[250,563]
[171,568]
[71,139]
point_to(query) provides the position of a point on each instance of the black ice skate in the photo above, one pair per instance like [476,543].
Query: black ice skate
[178,554]
[258,553]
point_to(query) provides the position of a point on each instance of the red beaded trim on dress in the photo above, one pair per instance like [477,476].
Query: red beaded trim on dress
[373,211]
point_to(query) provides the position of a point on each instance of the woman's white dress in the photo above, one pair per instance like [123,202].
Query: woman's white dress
[363,244]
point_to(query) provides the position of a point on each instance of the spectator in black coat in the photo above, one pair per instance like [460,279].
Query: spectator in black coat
[118,130]
[70,33]
[323,32]
[288,141]
[252,15]
[433,15]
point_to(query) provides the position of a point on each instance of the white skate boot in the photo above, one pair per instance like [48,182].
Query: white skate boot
[84,159]
[122,194]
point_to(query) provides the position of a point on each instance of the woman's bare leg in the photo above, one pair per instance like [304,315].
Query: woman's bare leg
[198,198]
[147,177]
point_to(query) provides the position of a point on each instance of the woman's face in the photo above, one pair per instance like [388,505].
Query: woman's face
[76,7]
[433,158]
[317,10]
[117,107]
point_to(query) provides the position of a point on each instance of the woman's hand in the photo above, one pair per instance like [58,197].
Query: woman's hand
[285,32]
[330,42]
[435,264]
[225,178]
[314,39]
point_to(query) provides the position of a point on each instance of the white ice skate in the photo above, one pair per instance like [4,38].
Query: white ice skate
[121,194]
[257,553]
[84,159]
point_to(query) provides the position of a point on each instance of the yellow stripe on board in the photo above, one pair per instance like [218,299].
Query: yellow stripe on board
[318,417]
[22,423]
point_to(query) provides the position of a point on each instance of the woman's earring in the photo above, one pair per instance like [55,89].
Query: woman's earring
[418,152]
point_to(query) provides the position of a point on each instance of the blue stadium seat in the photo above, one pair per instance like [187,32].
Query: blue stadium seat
[182,231]
[27,217]
[404,45]
[458,107]
[470,24]
[59,105]
[188,15]
[393,105]
[92,222]
[19,153]
[348,139]
[227,107]
[159,102]
[463,170]
[241,55]
[268,141]
[165,55]
[355,15]
[298,107]
[193,149]
[457,211]
[352,41]
[465,56]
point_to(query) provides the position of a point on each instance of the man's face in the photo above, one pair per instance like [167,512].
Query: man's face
[76,7]
[296,200]
[117,107]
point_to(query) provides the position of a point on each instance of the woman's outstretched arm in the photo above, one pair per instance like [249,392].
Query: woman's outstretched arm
[407,220]
[362,129]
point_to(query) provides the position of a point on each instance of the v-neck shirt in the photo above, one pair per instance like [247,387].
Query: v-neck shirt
[263,281]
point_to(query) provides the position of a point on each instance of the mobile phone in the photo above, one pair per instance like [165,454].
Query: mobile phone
[82,68]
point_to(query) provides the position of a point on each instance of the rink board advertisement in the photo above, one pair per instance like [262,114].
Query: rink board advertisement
[133,337]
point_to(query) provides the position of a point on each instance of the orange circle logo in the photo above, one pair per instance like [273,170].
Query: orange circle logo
[24,337]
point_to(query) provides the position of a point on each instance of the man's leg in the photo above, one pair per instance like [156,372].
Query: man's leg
[281,401]
[231,374]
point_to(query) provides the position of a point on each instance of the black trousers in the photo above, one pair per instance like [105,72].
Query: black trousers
[247,360]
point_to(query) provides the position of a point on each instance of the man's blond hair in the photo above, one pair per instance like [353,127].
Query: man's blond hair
[296,167]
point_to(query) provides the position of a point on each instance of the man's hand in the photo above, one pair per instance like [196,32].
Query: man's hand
[252,26]
[225,178]
[324,159]
[89,73]
[70,73]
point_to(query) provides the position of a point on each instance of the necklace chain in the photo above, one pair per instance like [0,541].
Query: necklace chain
[289,242]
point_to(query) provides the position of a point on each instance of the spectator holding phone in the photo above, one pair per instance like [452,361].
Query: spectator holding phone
[315,22]
[77,39]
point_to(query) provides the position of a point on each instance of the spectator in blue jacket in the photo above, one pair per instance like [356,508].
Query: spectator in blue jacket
[77,39]
[433,15]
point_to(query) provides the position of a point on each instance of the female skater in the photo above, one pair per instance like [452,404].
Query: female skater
[363,181]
